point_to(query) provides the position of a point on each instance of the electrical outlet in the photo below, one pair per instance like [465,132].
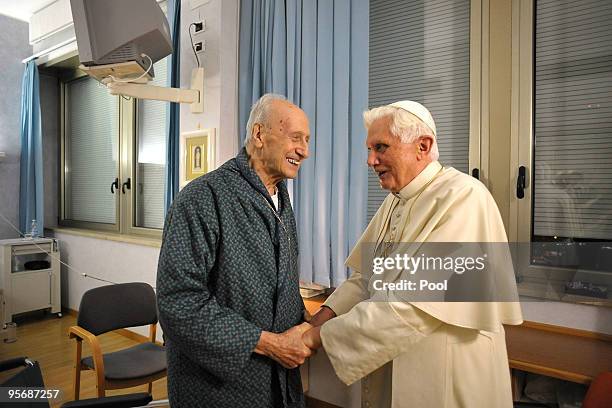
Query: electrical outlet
[200,46]
[199,26]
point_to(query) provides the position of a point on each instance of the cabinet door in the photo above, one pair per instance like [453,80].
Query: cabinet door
[30,291]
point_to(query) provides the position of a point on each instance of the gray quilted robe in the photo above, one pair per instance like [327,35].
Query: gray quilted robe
[228,270]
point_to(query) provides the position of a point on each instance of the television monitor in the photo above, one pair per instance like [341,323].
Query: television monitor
[120,31]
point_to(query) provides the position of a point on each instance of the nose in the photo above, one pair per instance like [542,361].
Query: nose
[302,149]
[372,158]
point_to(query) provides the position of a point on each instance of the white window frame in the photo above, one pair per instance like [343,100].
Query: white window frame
[479,78]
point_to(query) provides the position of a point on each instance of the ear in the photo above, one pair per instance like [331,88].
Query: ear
[424,145]
[257,135]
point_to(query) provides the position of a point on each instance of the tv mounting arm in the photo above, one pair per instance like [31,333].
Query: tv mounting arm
[116,78]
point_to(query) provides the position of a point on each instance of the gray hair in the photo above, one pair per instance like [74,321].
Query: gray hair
[404,125]
[260,112]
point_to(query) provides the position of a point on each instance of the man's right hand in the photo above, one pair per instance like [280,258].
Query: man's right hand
[286,348]
[324,314]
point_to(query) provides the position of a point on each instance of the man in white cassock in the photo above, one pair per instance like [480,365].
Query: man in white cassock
[419,353]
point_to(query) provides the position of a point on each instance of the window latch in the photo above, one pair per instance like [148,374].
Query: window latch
[520,182]
[127,184]
[114,186]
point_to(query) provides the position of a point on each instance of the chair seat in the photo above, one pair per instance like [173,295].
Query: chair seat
[116,401]
[142,360]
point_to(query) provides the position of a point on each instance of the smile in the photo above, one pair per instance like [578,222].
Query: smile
[294,162]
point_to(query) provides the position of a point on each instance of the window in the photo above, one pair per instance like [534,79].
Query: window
[114,155]
[150,157]
[564,123]
[91,153]
[573,120]
[420,50]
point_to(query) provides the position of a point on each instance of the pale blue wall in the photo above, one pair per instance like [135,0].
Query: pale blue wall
[14,47]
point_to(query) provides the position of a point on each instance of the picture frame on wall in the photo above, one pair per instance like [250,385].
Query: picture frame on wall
[197,154]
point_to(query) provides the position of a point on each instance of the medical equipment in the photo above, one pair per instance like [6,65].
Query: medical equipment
[25,286]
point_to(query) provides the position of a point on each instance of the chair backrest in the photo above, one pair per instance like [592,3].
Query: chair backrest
[29,376]
[117,306]
[599,394]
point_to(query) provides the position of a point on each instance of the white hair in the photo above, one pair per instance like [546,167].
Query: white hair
[260,112]
[404,125]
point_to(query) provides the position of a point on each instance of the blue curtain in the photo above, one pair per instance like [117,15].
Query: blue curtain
[174,117]
[31,192]
[316,53]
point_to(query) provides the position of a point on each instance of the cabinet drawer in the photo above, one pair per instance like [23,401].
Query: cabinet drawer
[32,249]
[31,290]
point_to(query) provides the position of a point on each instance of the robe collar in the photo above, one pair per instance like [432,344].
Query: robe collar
[421,180]
[242,161]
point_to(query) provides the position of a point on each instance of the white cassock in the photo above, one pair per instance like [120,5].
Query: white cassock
[425,354]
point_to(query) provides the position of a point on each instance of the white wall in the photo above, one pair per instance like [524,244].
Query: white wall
[220,62]
[112,261]
[577,316]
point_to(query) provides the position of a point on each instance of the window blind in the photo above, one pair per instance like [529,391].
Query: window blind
[420,50]
[573,119]
[151,155]
[92,148]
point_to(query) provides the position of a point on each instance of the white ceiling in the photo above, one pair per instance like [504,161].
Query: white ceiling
[22,9]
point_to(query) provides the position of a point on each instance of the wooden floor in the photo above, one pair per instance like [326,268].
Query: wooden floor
[44,338]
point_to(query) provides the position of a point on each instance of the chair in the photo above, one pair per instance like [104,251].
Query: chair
[31,376]
[114,307]
[599,394]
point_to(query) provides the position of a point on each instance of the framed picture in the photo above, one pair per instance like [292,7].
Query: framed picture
[197,154]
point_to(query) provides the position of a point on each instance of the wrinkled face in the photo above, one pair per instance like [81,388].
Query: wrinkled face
[394,162]
[284,141]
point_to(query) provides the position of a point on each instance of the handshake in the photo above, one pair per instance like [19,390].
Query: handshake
[291,348]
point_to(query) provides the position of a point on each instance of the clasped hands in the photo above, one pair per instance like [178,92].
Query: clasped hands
[291,348]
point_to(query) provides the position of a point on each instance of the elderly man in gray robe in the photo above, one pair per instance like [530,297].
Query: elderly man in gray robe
[227,283]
